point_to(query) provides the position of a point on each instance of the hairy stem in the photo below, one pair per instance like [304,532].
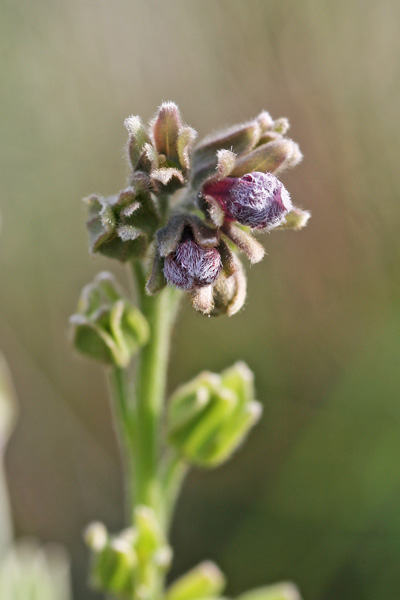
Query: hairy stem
[150,384]
[125,419]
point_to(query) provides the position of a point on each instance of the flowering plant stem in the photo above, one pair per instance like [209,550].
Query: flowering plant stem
[153,478]
[176,244]
[150,385]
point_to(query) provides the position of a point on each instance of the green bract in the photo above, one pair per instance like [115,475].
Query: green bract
[209,417]
[106,326]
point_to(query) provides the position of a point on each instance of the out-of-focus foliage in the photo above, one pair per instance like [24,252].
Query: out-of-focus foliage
[7,421]
[314,495]
[30,573]
[27,572]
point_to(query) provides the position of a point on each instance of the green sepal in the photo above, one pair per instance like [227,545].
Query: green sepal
[107,327]
[204,581]
[279,591]
[296,219]
[114,561]
[123,225]
[209,417]
[238,139]
[137,139]
[268,158]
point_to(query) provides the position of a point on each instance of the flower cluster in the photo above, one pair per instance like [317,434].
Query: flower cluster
[209,417]
[228,190]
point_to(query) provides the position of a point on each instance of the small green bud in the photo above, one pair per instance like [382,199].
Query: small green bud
[280,591]
[114,560]
[154,554]
[204,581]
[129,564]
[122,226]
[272,157]
[209,417]
[170,154]
[137,139]
[107,327]
[165,128]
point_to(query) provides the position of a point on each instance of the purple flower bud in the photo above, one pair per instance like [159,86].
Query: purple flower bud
[258,200]
[191,266]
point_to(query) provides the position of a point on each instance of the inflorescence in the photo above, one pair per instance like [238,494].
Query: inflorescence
[189,209]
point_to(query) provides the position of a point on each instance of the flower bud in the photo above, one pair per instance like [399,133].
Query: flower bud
[122,226]
[204,581]
[191,266]
[169,156]
[280,591]
[107,327]
[209,417]
[128,565]
[258,200]
[114,560]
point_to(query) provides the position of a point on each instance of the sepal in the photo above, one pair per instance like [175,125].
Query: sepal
[204,581]
[122,226]
[296,219]
[106,326]
[114,560]
[237,139]
[137,139]
[230,289]
[244,241]
[129,564]
[272,157]
[279,591]
[209,417]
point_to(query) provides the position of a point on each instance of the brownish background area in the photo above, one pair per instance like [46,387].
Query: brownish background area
[314,495]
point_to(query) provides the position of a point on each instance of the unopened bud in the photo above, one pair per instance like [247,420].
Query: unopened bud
[210,416]
[114,560]
[191,266]
[280,591]
[106,326]
[258,200]
[204,581]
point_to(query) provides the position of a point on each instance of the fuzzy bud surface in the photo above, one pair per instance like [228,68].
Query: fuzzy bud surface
[191,266]
[258,200]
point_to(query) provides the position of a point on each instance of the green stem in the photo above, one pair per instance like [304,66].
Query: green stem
[150,389]
[173,473]
[125,423]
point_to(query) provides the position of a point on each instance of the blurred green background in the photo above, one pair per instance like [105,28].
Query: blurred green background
[314,495]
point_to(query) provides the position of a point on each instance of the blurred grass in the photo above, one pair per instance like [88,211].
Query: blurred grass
[314,494]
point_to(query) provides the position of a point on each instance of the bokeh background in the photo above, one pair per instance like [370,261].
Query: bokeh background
[314,495]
